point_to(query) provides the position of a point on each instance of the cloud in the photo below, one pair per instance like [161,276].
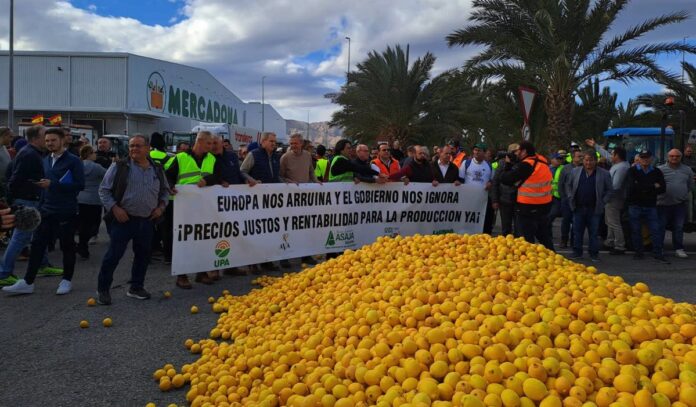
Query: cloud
[299,47]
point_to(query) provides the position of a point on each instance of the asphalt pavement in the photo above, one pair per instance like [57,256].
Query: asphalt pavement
[47,358]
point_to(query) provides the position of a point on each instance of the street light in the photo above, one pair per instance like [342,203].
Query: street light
[348,70]
[10,88]
[263,103]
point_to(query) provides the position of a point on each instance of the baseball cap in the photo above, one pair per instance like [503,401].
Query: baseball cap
[513,147]
[481,146]
[645,154]
[555,155]
[574,144]
[561,152]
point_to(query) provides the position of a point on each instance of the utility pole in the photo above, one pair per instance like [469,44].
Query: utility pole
[682,81]
[348,70]
[10,87]
[307,124]
[263,104]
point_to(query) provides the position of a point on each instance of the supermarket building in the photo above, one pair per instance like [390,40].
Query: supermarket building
[121,93]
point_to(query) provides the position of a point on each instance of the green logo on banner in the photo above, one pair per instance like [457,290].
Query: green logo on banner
[222,249]
[330,240]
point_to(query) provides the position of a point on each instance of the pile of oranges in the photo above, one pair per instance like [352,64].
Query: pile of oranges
[446,320]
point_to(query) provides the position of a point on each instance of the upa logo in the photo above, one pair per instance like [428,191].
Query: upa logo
[222,250]
[340,239]
[156,92]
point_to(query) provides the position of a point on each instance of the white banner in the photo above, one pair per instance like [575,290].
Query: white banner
[217,228]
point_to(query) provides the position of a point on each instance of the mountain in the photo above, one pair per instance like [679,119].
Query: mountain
[319,132]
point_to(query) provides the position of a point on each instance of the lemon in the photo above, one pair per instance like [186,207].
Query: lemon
[91,302]
[84,324]
[194,309]
[107,322]
[535,389]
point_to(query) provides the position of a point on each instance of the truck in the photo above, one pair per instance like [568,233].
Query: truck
[637,139]
[238,136]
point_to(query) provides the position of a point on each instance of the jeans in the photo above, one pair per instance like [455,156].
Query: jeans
[637,215]
[534,226]
[612,217]
[61,226]
[586,218]
[20,239]
[89,220]
[140,231]
[673,216]
[566,221]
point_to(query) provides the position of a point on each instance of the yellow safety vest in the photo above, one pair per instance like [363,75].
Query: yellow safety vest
[345,177]
[189,172]
[320,169]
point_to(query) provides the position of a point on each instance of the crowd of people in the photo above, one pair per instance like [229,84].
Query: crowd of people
[595,193]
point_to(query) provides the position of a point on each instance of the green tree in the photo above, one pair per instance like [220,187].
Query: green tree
[594,111]
[681,115]
[556,46]
[386,99]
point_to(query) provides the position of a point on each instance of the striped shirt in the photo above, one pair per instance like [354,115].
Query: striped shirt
[142,194]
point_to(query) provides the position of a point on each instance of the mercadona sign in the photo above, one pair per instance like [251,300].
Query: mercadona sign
[182,102]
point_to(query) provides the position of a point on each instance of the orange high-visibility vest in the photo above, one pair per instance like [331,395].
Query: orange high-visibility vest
[393,166]
[459,159]
[536,190]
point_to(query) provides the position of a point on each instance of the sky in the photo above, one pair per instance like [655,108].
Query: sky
[299,46]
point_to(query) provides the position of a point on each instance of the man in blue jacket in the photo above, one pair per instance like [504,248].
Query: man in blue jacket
[64,179]
[588,189]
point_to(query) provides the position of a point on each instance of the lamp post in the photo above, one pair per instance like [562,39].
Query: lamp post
[348,70]
[10,87]
[263,104]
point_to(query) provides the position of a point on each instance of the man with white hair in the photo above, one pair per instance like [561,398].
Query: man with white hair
[672,205]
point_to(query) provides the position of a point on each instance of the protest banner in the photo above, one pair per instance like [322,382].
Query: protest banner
[217,228]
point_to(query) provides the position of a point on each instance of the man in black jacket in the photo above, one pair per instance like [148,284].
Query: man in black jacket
[418,170]
[503,196]
[443,170]
[645,183]
[362,163]
[27,170]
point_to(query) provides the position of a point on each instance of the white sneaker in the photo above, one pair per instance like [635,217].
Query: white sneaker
[64,287]
[20,287]
[681,254]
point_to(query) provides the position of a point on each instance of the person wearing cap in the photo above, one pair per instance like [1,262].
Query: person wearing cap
[645,183]
[589,191]
[477,171]
[458,154]
[532,177]
[672,205]
[573,148]
[503,197]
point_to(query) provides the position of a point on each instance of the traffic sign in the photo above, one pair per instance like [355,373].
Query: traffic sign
[526,132]
[527,96]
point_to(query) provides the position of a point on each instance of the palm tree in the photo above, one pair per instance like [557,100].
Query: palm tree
[557,45]
[682,113]
[385,99]
[594,111]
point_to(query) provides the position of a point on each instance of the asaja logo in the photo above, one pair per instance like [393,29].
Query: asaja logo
[340,239]
[222,249]
[156,92]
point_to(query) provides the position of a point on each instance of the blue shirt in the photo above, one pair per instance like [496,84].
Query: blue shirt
[142,194]
[586,194]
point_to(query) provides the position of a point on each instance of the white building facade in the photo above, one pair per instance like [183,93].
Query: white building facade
[121,93]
